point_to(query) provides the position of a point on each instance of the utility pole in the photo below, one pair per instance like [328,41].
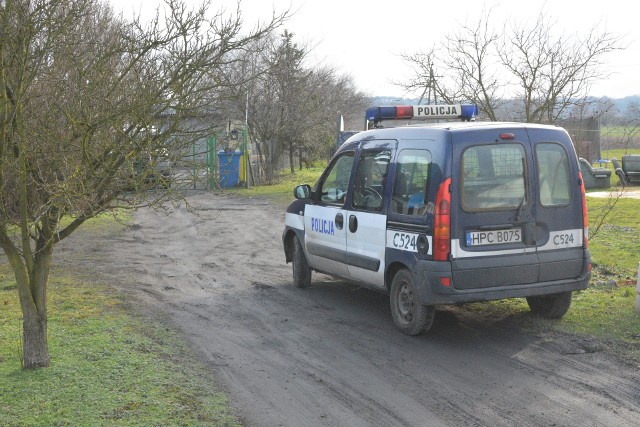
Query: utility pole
[430,88]
[247,169]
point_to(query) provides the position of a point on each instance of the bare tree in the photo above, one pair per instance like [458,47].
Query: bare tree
[271,106]
[554,74]
[471,56]
[324,96]
[545,75]
[90,105]
[428,79]
[292,108]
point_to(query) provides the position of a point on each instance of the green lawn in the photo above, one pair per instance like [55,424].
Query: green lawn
[282,192]
[619,132]
[109,365]
[614,236]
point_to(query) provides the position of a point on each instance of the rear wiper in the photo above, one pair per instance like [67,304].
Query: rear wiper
[520,206]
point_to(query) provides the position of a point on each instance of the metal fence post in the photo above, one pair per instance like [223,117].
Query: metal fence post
[211,161]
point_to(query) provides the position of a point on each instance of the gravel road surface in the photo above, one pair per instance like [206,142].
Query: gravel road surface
[329,355]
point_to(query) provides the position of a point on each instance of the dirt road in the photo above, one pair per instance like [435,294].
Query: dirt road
[329,355]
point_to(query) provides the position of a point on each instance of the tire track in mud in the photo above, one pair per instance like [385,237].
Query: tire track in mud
[329,355]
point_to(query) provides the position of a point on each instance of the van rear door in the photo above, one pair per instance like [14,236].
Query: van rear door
[493,209]
[559,222]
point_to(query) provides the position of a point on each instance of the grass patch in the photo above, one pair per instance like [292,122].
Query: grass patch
[606,313]
[282,191]
[109,367]
[618,153]
[615,246]
[619,132]
[106,220]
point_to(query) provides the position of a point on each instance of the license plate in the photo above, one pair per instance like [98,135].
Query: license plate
[494,237]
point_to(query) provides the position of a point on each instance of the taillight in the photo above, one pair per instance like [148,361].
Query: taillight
[442,223]
[585,216]
[446,281]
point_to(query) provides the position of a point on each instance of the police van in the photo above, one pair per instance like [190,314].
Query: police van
[446,213]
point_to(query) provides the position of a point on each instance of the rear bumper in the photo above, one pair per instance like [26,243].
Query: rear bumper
[428,274]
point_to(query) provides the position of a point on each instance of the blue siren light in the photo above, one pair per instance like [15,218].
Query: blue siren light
[468,110]
[465,112]
[387,113]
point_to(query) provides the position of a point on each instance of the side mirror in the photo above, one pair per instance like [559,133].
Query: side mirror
[302,191]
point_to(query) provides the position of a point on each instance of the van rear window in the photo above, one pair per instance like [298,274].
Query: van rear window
[493,177]
[553,174]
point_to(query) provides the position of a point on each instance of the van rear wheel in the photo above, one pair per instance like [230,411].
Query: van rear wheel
[409,314]
[301,269]
[550,306]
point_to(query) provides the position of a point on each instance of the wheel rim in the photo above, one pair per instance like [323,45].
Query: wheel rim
[405,303]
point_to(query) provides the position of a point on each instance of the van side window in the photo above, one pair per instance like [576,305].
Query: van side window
[336,183]
[410,190]
[553,174]
[493,177]
[371,179]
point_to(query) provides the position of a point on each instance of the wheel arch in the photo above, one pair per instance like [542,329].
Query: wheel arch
[392,270]
[287,241]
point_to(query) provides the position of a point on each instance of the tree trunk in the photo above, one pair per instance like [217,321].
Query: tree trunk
[292,166]
[261,165]
[34,335]
[32,290]
[35,344]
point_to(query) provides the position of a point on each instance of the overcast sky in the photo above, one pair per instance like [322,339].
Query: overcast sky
[365,38]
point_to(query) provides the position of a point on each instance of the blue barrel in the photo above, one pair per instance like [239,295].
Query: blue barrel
[229,165]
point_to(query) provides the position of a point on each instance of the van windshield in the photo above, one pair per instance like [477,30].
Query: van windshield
[336,182]
[493,177]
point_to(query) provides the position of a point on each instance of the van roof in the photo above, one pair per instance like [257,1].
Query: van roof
[437,130]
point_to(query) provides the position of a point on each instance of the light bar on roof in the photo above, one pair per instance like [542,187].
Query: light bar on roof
[422,112]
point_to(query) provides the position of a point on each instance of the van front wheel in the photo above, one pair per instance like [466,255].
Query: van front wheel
[409,314]
[550,306]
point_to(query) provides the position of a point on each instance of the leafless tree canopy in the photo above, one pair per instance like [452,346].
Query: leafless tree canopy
[292,107]
[90,104]
[538,75]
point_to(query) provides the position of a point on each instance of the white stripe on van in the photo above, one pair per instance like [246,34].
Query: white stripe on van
[457,251]
[563,239]
[557,240]
[406,241]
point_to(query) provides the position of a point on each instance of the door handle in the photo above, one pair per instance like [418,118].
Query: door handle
[353,223]
[339,221]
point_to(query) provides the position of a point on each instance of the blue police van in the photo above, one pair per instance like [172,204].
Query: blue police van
[446,213]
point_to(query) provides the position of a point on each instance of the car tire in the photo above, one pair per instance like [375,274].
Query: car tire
[409,314]
[550,306]
[301,269]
